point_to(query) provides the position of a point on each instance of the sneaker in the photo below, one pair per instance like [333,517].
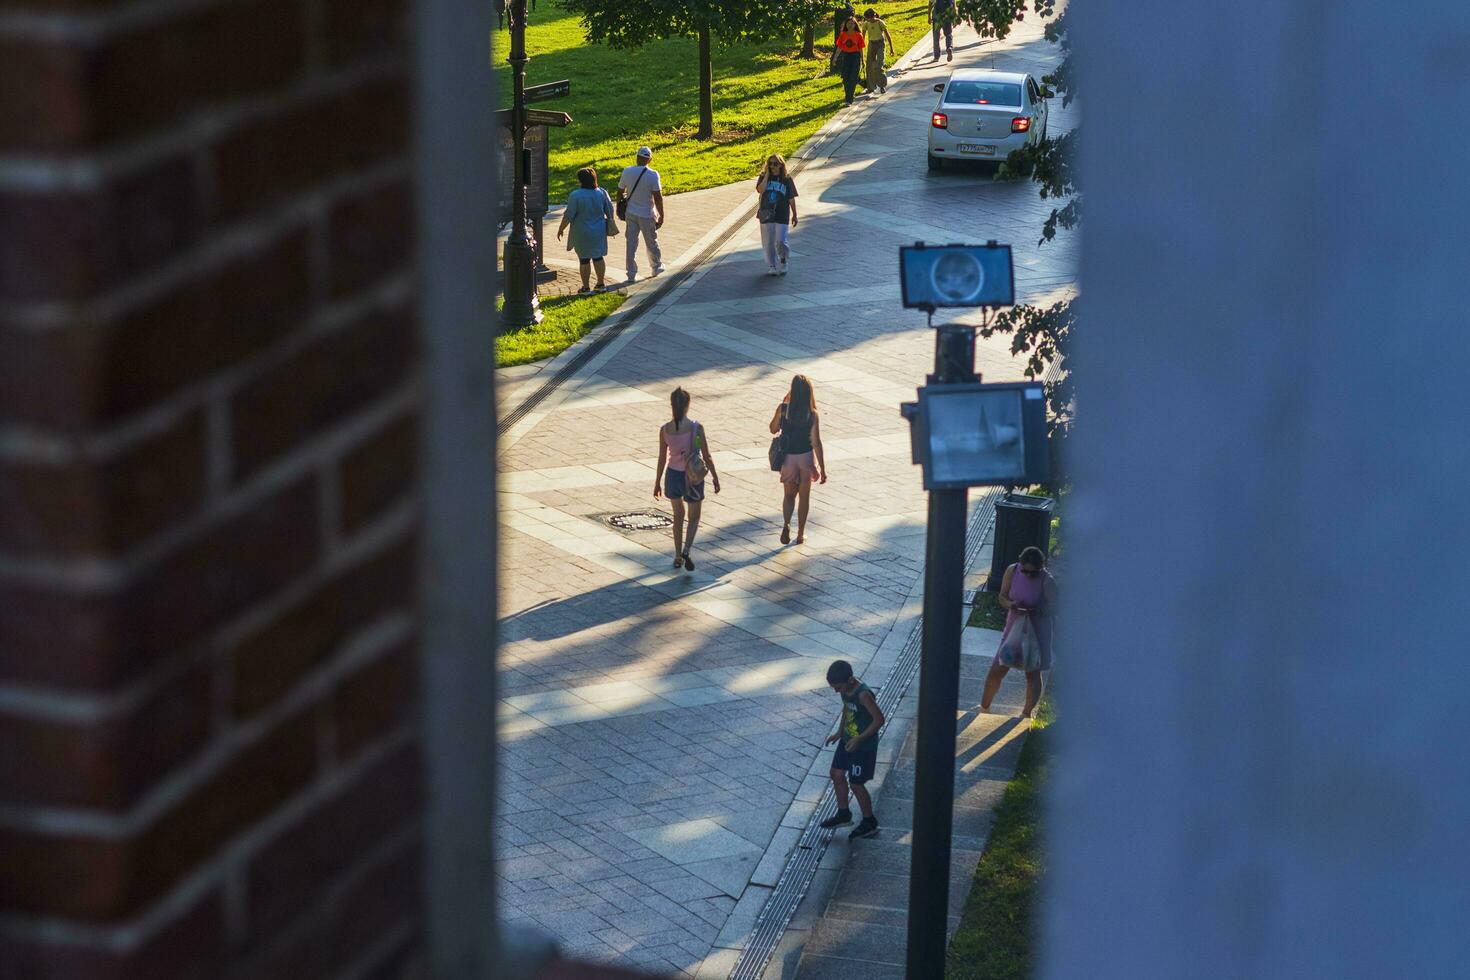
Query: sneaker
[950,57]
[772,272]
[867,828]
[783,267]
[839,819]
[658,270]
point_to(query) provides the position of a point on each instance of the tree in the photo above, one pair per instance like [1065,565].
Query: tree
[633,23]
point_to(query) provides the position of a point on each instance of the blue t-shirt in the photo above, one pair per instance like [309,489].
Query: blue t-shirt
[775,206]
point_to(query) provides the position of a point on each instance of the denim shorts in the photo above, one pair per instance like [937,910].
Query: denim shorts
[678,487]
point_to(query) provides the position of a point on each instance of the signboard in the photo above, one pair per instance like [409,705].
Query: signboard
[537,201]
[551,90]
[544,117]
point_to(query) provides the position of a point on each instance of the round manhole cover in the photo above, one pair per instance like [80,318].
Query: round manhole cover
[641,520]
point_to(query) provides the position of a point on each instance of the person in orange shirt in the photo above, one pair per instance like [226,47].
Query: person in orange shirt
[850,44]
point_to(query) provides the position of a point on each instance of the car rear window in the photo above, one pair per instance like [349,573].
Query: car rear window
[983,93]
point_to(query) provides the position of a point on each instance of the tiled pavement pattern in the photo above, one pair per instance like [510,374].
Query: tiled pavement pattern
[658,727]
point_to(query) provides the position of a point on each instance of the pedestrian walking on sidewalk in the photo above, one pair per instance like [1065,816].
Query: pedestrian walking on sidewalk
[841,17]
[850,44]
[589,213]
[641,206]
[799,442]
[877,33]
[856,755]
[683,461]
[776,213]
[1028,593]
[942,18]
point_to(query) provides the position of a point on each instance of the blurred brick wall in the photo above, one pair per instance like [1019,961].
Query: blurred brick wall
[208,428]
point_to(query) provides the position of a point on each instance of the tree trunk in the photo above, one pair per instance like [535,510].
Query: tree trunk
[706,86]
[808,41]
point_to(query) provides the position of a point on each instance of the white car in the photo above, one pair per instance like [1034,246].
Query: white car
[983,115]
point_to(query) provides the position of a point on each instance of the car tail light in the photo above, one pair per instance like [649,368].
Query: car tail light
[1020,124]
[939,120]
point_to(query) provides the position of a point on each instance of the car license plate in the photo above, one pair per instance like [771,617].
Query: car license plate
[982,149]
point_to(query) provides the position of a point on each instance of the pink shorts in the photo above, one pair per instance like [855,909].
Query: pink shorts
[798,468]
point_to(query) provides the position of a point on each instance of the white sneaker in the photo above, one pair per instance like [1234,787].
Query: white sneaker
[658,270]
[783,268]
[772,272]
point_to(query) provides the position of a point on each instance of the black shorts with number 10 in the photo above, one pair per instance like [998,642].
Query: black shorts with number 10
[858,765]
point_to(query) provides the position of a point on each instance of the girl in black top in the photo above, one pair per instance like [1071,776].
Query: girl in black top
[801,439]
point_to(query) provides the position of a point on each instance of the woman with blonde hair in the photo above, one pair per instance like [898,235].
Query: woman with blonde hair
[683,460]
[799,432]
[776,213]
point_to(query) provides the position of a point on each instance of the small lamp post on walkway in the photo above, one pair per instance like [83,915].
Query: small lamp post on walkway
[964,434]
[519,264]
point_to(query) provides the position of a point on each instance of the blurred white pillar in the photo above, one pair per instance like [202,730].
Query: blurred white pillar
[1266,678]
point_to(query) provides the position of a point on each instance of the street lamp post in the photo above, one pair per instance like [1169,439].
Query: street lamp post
[518,266]
[965,434]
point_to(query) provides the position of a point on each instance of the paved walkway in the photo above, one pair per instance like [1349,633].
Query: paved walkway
[660,730]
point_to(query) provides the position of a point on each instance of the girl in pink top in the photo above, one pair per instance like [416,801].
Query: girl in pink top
[677,441]
[1026,591]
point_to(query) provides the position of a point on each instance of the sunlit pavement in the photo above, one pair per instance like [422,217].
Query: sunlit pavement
[658,727]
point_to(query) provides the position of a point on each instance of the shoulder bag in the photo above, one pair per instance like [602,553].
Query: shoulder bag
[623,201]
[777,452]
[612,226]
[694,464]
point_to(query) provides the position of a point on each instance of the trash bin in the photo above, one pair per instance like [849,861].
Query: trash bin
[1021,521]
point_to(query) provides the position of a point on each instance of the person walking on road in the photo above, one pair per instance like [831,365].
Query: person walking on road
[803,461]
[589,213]
[942,17]
[877,33]
[641,206]
[1028,593]
[856,755]
[683,461]
[850,44]
[776,212]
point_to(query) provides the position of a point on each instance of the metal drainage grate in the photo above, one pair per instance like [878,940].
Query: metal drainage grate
[641,520]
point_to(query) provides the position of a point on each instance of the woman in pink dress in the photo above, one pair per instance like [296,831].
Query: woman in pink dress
[801,440]
[1029,592]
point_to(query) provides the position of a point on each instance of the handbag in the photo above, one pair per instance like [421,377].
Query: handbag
[622,206]
[777,453]
[612,226]
[694,465]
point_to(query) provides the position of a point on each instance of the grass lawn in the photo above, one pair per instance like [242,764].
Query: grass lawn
[765,98]
[567,320]
[996,939]
[986,613]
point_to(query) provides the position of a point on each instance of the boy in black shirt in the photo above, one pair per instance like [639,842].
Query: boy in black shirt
[857,748]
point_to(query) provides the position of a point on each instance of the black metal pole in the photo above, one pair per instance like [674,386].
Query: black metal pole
[519,265]
[939,682]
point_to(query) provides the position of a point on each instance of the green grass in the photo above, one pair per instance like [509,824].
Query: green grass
[987,613]
[766,99]
[567,320]
[996,939]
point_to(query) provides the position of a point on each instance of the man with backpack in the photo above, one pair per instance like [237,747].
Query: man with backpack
[641,206]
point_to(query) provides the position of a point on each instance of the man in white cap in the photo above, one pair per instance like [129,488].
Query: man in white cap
[641,206]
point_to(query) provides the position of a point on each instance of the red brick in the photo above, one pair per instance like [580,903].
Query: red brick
[357,29]
[110,880]
[340,374]
[379,472]
[369,238]
[85,642]
[290,873]
[277,157]
[190,947]
[375,700]
[73,377]
[72,245]
[80,509]
[43,105]
[269,663]
[107,765]
[56,97]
